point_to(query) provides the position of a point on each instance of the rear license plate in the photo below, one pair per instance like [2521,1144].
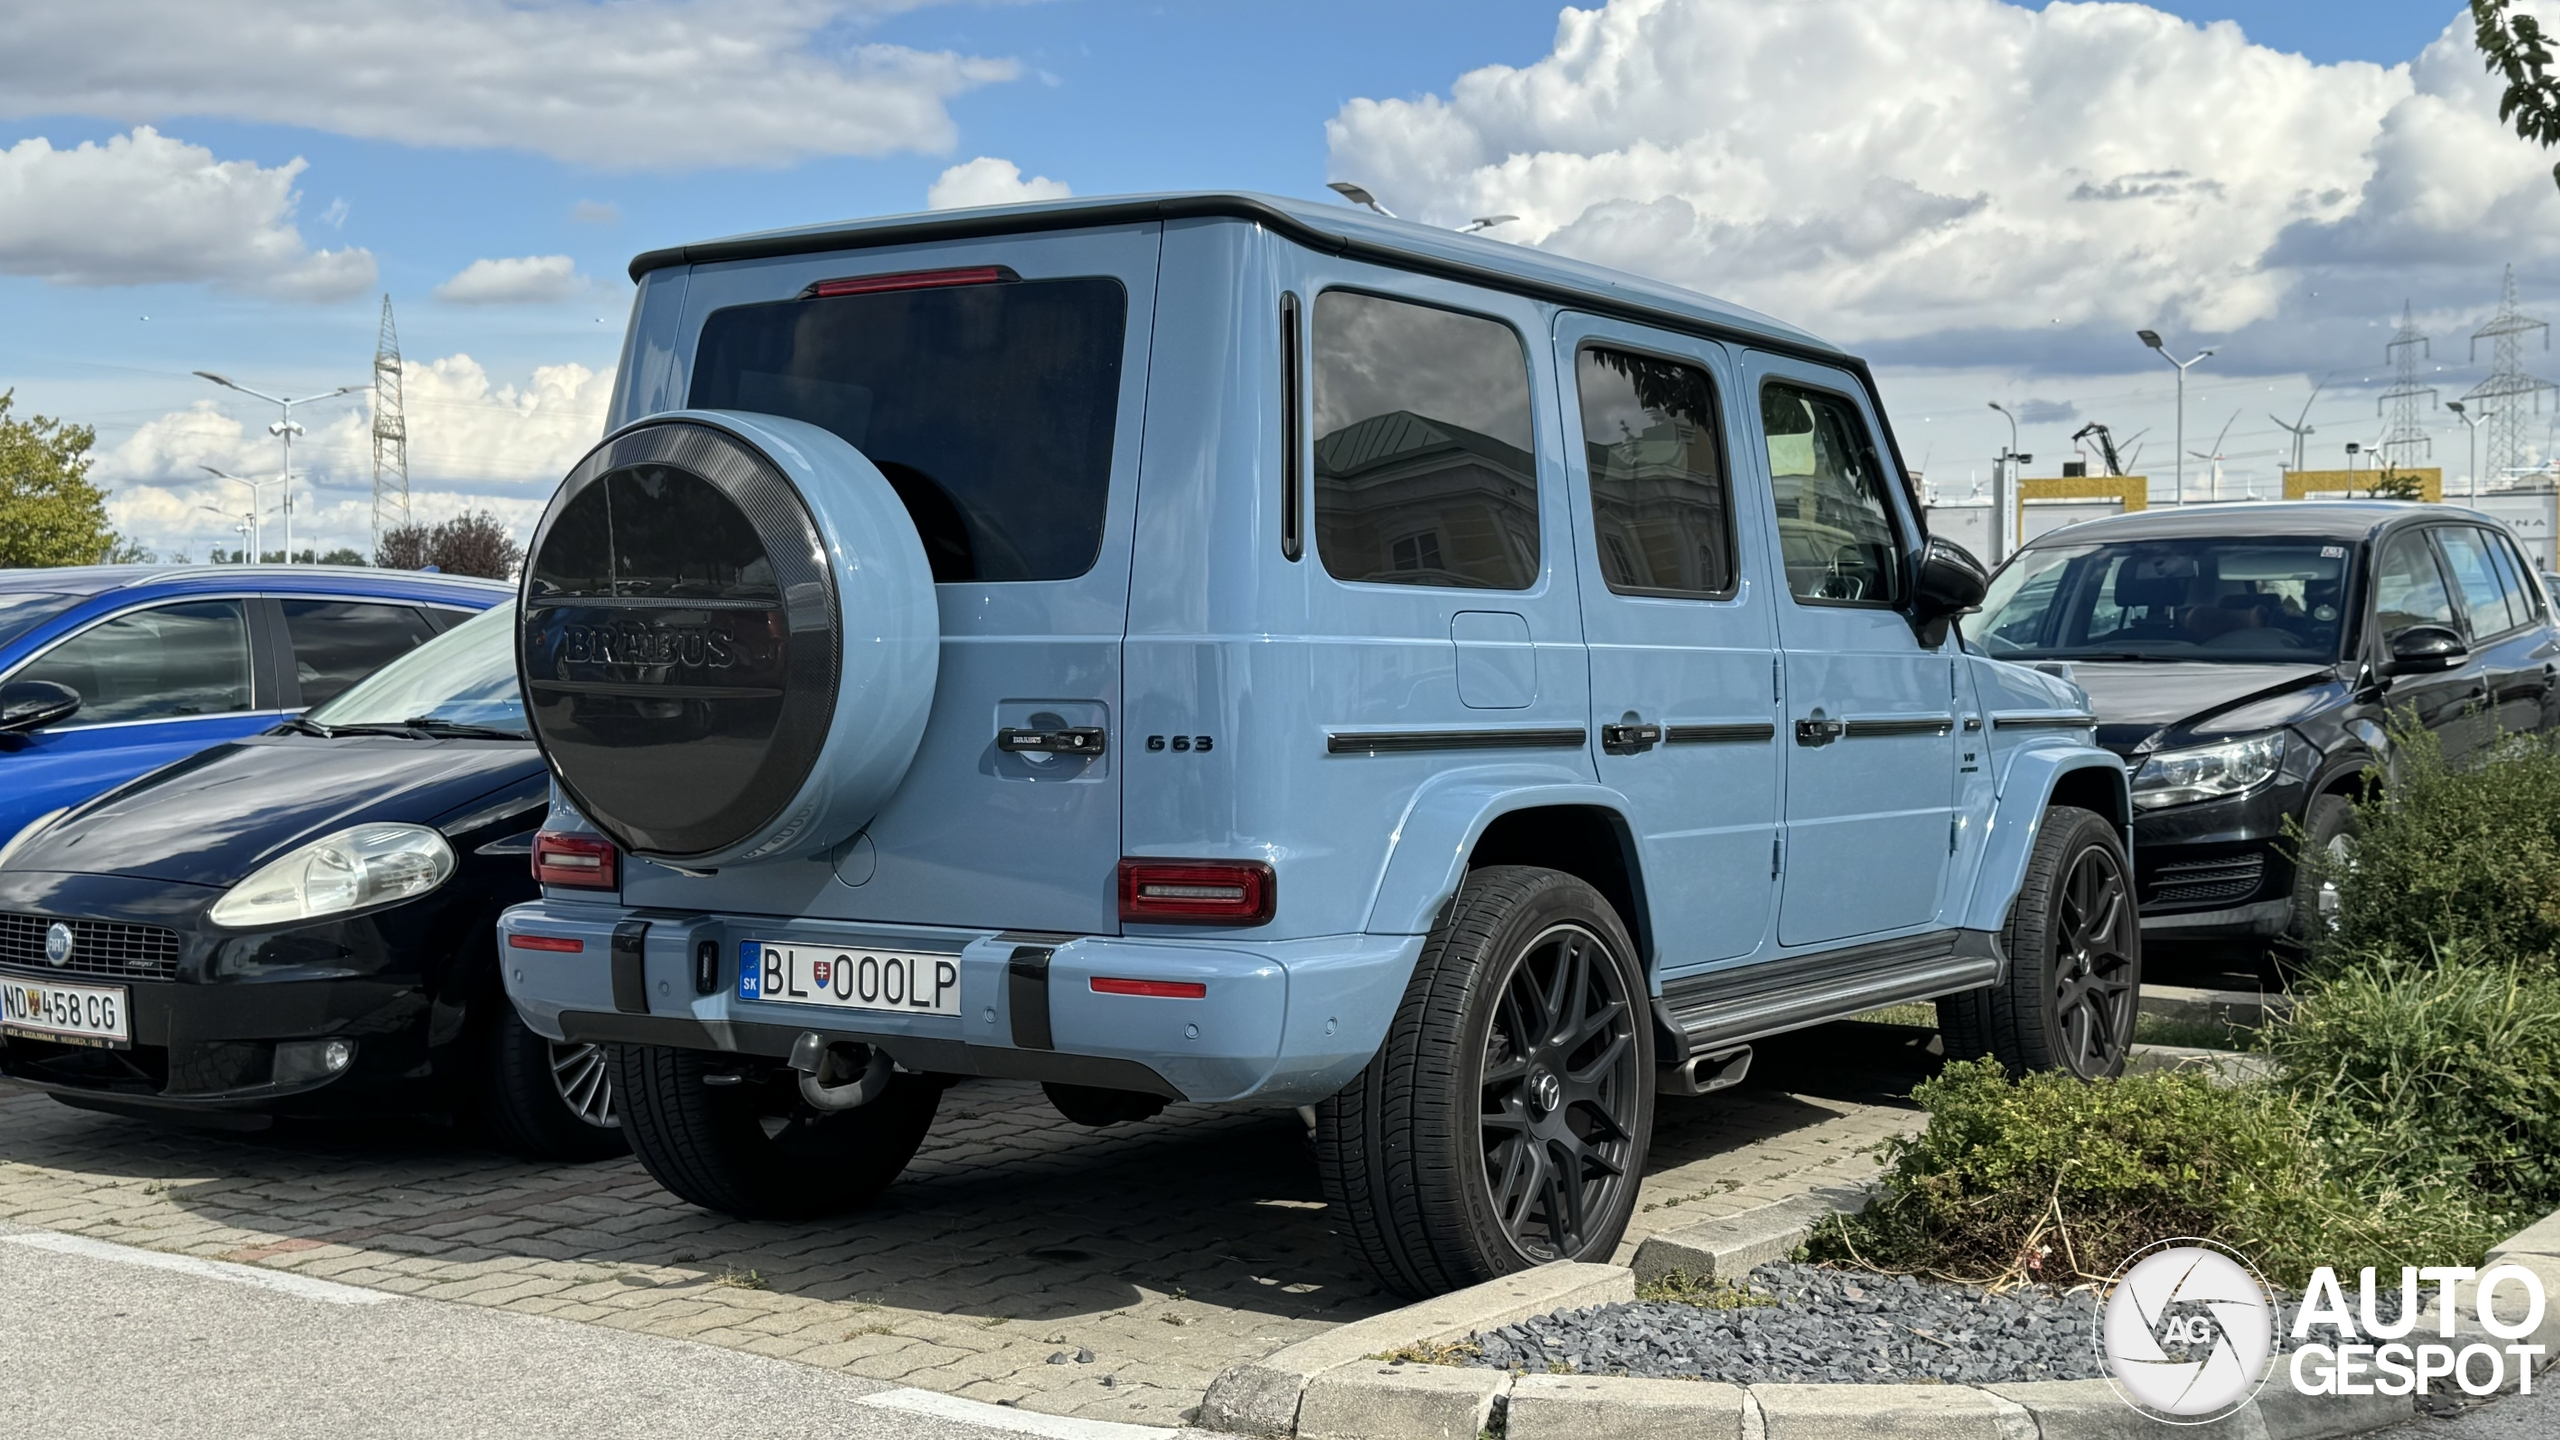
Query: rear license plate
[82,1014]
[897,982]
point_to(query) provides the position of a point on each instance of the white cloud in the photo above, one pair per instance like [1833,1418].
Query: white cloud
[474,443]
[990,181]
[146,209]
[526,280]
[1891,170]
[638,84]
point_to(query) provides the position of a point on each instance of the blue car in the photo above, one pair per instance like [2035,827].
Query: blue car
[1216,648]
[111,671]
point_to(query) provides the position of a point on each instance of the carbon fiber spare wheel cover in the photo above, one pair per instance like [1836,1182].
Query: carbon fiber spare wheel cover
[728,638]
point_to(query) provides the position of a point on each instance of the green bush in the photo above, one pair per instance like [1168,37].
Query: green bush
[2047,1178]
[2465,857]
[2445,1074]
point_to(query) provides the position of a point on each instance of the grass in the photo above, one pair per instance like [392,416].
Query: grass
[1917,1012]
[1425,1352]
[743,1280]
[2150,1029]
[1680,1288]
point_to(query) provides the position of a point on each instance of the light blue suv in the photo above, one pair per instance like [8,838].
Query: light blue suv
[1216,648]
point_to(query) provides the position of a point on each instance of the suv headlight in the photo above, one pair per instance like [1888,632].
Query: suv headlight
[355,868]
[2207,772]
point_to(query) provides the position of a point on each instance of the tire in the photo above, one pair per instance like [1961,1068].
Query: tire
[754,1149]
[546,1100]
[1436,1157]
[2331,824]
[2074,942]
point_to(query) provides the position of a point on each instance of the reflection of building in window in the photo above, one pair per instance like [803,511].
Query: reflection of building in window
[1658,498]
[1835,527]
[1407,500]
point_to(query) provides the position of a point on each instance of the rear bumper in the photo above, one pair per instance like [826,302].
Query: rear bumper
[1284,1023]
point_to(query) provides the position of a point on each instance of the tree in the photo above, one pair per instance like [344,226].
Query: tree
[49,512]
[343,555]
[2392,483]
[472,543]
[2512,46]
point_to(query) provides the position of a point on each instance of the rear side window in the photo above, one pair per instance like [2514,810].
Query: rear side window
[1424,472]
[164,663]
[339,642]
[1659,502]
[990,408]
[2525,604]
[2475,577]
[1835,517]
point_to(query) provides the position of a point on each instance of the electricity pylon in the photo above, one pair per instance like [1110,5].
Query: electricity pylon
[390,434]
[2504,394]
[2406,442]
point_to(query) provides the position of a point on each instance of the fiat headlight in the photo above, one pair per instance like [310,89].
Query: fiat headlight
[351,870]
[2207,772]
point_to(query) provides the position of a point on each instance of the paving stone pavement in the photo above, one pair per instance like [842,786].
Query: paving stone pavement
[1014,1243]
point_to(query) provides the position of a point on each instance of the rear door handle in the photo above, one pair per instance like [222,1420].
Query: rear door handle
[1815,730]
[1631,738]
[1071,740]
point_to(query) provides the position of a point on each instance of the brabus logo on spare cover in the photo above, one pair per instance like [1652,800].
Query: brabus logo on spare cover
[693,647]
[57,944]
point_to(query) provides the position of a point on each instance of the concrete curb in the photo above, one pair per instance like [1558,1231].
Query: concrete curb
[1728,1247]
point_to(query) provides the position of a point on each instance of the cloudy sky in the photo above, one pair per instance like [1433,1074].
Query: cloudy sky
[1986,198]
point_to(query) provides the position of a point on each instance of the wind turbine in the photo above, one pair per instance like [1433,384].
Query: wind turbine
[2215,456]
[2298,429]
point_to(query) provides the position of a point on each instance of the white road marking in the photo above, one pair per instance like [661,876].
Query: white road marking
[283,1282]
[1006,1417]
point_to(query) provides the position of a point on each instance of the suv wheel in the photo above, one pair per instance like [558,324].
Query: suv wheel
[2075,960]
[2330,828]
[547,1100]
[744,1143]
[1504,1122]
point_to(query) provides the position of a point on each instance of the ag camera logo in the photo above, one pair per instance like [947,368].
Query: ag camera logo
[2188,1332]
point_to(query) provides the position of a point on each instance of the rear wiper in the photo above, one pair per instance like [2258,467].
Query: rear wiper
[456,730]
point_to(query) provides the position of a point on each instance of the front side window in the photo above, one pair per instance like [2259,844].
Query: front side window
[1835,512]
[165,663]
[2408,589]
[989,408]
[1425,472]
[339,642]
[2475,576]
[1659,501]
[2202,598]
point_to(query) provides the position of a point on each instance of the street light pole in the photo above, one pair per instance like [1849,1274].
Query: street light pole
[2152,339]
[2004,486]
[2471,472]
[256,498]
[284,429]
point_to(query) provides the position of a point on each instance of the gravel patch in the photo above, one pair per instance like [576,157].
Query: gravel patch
[1803,1324]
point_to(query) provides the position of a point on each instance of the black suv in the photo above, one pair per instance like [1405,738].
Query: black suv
[2245,661]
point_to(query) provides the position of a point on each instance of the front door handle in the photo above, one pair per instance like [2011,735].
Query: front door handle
[1816,730]
[1630,738]
[1067,740]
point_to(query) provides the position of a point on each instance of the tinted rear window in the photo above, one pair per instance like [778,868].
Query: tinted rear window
[989,407]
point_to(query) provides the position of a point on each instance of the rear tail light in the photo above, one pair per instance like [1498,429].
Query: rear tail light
[1160,989]
[911,280]
[580,862]
[1197,892]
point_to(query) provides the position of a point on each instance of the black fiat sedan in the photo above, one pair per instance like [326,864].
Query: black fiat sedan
[300,923]
[2247,661]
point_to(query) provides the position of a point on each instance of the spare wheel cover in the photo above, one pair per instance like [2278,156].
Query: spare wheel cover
[728,638]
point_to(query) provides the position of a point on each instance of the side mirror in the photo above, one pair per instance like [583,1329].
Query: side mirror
[33,704]
[2424,650]
[1946,583]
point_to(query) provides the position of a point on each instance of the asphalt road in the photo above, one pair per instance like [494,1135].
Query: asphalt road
[105,1340]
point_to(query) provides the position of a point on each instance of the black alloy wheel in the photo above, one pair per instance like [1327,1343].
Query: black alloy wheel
[582,1074]
[2074,942]
[1504,1121]
[1560,1093]
[549,1100]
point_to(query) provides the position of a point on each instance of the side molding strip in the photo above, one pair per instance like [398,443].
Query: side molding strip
[1748,731]
[1401,742]
[2042,720]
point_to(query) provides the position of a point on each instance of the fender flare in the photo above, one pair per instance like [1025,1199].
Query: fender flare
[2028,779]
[1427,854]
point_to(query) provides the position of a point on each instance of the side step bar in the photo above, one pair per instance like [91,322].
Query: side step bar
[1709,1015]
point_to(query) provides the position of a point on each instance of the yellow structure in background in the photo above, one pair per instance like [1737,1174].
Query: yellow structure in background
[2133,490]
[2304,484]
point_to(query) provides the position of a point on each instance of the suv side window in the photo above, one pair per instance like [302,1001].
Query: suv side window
[2484,600]
[1425,472]
[1659,502]
[2408,589]
[164,663]
[2525,605]
[339,642]
[1835,513]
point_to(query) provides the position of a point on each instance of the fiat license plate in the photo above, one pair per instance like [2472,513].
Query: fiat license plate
[82,1014]
[898,982]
